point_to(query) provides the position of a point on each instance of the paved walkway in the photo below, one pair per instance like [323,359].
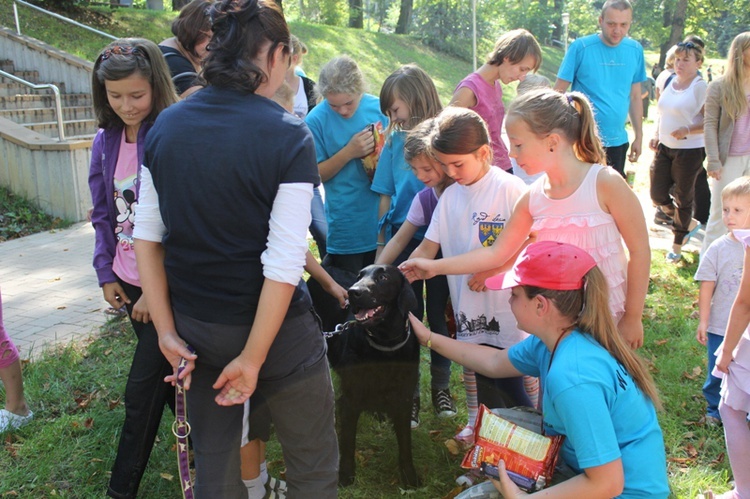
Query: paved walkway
[51,296]
[49,289]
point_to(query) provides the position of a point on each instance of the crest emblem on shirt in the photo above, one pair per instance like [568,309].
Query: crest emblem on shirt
[489,231]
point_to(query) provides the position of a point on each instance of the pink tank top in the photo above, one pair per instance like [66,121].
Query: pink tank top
[490,107]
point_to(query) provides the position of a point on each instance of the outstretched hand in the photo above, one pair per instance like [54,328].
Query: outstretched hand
[237,382]
[420,330]
[416,269]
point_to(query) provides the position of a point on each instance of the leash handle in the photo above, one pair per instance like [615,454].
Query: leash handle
[181,430]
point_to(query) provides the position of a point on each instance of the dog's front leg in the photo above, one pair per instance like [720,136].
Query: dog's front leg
[402,428]
[348,417]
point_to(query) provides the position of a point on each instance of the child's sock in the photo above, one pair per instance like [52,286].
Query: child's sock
[263,472]
[255,488]
[472,404]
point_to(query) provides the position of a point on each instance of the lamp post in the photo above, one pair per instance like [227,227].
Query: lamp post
[565,21]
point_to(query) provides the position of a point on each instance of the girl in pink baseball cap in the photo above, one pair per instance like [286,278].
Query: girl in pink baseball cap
[595,389]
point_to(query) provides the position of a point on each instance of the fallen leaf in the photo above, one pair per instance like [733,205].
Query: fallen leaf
[689,434]
[661,342]
[166,476]
[62,307]
[453,447]
[108,351]
[692,452]
[680,460]
[114,403]
[719,459]
[89,423]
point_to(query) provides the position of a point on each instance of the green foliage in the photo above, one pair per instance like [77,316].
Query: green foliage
[19,217]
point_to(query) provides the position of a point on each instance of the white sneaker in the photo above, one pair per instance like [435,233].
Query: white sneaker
[10,421]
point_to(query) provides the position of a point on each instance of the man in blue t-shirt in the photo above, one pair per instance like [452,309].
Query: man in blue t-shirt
[608,68]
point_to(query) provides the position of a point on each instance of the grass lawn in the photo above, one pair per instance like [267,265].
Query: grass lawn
[76,393]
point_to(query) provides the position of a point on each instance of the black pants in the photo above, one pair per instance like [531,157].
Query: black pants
[678,169]
[616,156]
[702,207]
[145,396]
[501,392]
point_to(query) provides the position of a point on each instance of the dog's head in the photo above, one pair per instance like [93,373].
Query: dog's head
[381,291]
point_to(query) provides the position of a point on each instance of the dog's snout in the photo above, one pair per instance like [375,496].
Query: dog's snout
[355,291]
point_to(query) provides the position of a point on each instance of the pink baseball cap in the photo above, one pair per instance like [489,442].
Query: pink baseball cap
[548,265]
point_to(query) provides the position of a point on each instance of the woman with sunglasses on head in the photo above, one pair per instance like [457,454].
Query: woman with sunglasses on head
[130,87]
[228,178]
[186,50]
[679,145]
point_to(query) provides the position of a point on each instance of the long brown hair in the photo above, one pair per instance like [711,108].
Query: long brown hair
[570,115]
[121,59]
[415,87]
[733,100]
[588,310]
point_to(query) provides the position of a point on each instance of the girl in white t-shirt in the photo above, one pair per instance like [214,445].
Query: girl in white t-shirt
[470,214]
[578,201]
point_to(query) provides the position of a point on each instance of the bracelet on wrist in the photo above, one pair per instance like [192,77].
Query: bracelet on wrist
[380,244]
[429,341]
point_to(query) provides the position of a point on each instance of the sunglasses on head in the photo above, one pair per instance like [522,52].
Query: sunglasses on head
[687,45]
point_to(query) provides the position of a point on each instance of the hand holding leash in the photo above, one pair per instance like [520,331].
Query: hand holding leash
[175,350]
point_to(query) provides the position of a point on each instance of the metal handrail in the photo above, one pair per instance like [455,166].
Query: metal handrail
[57,16]
[55,90]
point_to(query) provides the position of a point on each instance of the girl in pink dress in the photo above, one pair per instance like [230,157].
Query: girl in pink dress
[733,366]
[579,201]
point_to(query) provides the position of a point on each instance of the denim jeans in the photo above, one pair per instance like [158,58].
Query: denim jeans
[146,393]
[712,386]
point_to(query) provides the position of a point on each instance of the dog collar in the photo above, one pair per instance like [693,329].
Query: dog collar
[391,348]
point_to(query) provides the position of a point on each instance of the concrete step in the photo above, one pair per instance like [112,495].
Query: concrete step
[7,65]
[11,89]
[41,114]
[30,101]
[72,128]
[30,76]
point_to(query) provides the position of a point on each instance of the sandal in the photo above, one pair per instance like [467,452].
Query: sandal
[674,257]
[692,233]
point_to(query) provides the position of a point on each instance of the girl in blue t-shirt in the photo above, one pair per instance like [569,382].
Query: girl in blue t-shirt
[342,131]
[596,390]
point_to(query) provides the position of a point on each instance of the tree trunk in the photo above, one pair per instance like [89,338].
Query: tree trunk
[404,17]
[356,17]
[676,20]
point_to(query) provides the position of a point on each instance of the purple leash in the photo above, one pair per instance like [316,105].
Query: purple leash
[181,430]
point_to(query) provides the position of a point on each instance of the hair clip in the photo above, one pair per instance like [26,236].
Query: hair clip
[570,98]
[120,50]
[687,45]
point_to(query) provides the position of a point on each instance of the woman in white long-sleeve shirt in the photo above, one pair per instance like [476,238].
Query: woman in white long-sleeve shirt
[221,241]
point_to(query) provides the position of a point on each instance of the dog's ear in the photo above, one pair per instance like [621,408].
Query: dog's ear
[407,301]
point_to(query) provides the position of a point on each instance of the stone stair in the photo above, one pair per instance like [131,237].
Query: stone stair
[35,109]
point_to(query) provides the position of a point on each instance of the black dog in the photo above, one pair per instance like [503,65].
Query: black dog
[377,360]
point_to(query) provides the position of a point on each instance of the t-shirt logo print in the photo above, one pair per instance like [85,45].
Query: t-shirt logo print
[489,232]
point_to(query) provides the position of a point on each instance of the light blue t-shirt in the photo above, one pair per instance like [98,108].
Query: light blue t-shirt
[351,206]
[394,178]
[605,74]
[591,399]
